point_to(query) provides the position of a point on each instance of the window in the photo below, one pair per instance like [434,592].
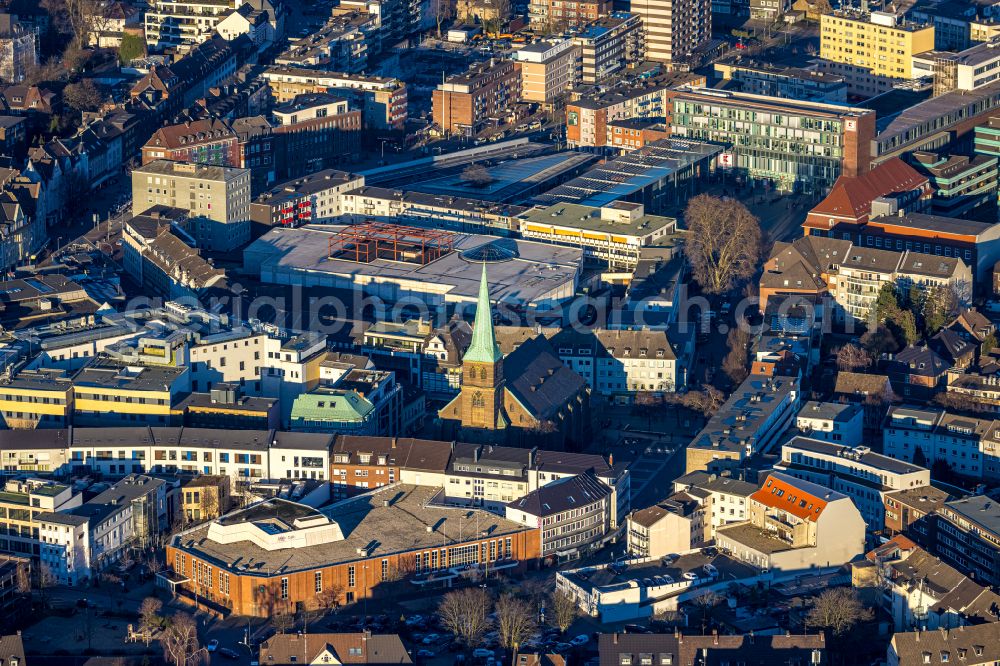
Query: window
[318,580]
[284,588]
[350,576]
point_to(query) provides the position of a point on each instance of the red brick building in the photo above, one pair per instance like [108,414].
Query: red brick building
[278,556]
[465,102]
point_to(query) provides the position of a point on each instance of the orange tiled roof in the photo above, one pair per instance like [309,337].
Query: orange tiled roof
[779,494]
[852,196]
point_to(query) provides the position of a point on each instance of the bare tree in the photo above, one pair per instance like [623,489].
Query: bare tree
[82,19]
[707,401]
[114,582]
[706,602]
[564,610]
[853,358]
[463,613]
[149,617]
[735,363]
[180,642]
[501,14]
[442,11]
[329,598]
[837,609]
[723,242]
[477,175]
[515,620]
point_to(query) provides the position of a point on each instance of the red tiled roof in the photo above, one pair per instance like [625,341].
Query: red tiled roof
[779,494]
[852,196]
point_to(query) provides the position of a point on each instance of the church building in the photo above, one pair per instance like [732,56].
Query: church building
[527,398]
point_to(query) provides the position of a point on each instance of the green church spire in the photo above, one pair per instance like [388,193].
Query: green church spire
[484,348]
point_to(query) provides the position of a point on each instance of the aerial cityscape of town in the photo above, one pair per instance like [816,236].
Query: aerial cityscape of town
[499,332]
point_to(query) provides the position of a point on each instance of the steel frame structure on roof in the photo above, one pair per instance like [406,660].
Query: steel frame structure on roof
[368,241]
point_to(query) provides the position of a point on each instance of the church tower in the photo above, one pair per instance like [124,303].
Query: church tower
[482,370]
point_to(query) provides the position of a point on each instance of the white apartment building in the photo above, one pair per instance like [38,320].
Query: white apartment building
[863,476]
[171,23]
[78,543]
[726,499]
[217,199]
[675,525]
[796,525]
[924,436]
[675,29]
[834,422]
[20,502]
[573,515]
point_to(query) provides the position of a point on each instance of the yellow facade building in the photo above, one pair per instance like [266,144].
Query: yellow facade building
[877,45]
[36,400]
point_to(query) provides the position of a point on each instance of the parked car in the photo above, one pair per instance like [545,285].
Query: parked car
[580,640]
[213,645]
[710,570]
[229,654]
[690,575]
[425,653]
[430,639]
[481,653]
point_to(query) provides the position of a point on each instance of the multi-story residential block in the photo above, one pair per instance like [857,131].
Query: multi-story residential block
[876,47]
[673,525]
[463,102]
[762,78]
[919,591]
[964,186]
[834,422]
[37,400]
[911,512]
[805,145]
[969,446]
[573,515]
[632,134]
[795,525]
[724,497]
[20,502]
[208,141]
[675,29]
[588,118]
[78,543]
[341,45]
[316,131]
[853,275]
[548,69]
[172,23]
[217,199]
[749,422]
[968,537]
[18,49]
[362,402]
[609,45]
[863,476]
[157,258]
[352,547]
[428,357]
[555,16]
[383,100]
[226,407]
[978,643]
[618,364]
[314,198]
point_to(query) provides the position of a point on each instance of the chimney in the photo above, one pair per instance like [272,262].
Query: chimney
[614,638]
[393,442]
[715,636]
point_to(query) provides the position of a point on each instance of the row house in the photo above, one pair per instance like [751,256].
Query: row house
[969,446]
[383,99]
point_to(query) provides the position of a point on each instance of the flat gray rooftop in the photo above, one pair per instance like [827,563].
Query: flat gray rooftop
[534,273]
[367,524]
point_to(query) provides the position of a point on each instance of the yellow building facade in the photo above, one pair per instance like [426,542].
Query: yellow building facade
[878,41]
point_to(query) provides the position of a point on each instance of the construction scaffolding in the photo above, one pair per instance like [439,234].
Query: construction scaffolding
[366,242]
